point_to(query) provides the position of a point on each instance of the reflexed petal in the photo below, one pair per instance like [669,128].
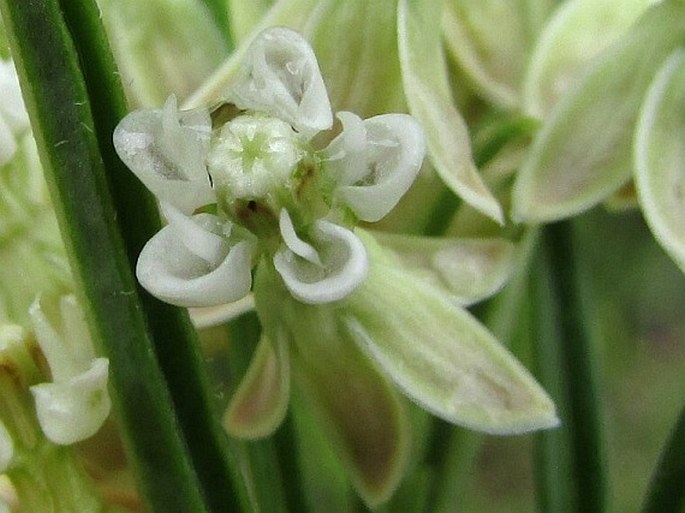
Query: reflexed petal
[356,406]
[577,32]
[259,405]
[74,410]
[344,260]
[374,177]
[177,275]
[469,269]
[584,151]
[6,447]
[166,150]
[440,356]
[281,77]
[208,316]
[426,87]
[660,157]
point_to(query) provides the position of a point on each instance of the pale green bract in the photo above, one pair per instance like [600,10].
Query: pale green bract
[660,156]
[427,90]
[584,151]
[578,31]
[244,186]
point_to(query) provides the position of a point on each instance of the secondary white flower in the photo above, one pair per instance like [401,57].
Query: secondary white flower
[276,194]
[75,404]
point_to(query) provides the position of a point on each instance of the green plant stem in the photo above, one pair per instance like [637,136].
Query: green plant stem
[57,100]
[666,492]
[566,353]
[174,338]
[553,466]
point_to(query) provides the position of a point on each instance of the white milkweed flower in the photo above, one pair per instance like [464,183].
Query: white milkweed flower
[76,403]
[247,186]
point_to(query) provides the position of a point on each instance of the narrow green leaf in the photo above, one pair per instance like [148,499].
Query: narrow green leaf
[660,157]
[426,87]
[666,493]
[584,151]
[566,361]
[57,101]
[556,487]
[174,339]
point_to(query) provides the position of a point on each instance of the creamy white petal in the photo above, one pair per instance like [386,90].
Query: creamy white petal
[208,316]
[346,154]
[166,150]
[177,275]
[344,260]
[394,151]
[74,410]
[281,77]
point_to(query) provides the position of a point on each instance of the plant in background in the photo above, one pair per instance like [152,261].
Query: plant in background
[273,205]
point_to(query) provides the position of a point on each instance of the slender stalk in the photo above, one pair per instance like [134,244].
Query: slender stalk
[58,103]
[555,490]
[666,492]
[578,398]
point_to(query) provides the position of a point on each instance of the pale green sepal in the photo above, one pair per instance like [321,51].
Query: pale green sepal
[490,40]
[162,46]
[424,76]
[660,157]
[584,151]
[259,404]
[356,44]
[578,31]
[245,16]
[6,448]
[440,356]
[469,269]
[359,410]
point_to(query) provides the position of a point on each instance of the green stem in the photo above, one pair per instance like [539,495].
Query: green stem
[563,320]
[666,493]
[173,336]
[57,99]
[553,466]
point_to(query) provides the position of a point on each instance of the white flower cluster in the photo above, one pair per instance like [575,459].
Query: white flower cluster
[261,187]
